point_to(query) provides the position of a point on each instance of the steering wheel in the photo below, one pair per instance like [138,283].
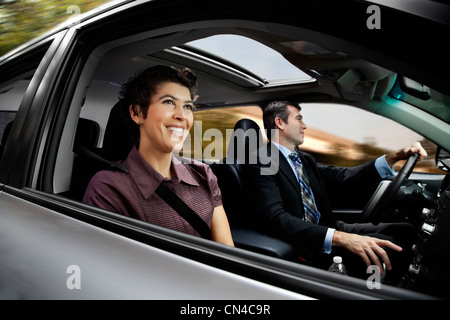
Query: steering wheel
[374,213]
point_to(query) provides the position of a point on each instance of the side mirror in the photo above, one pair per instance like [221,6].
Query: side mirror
[442,159]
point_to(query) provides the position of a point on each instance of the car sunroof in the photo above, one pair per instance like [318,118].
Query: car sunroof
[248,54]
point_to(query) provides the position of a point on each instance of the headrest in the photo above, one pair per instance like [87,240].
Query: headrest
[246,124]
[121,133]
[87,133]
[246,138]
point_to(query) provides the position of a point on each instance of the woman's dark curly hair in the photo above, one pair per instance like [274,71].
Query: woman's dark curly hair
[139,90]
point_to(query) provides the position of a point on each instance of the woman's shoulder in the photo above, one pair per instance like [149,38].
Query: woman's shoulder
[109,176]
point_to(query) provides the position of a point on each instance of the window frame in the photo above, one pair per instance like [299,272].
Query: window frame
[31,62]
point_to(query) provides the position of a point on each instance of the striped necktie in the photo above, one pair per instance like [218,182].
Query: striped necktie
[312,215]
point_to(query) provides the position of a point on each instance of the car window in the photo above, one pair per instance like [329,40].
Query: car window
[6,121]
[211,133]
[338,135]
[16,74]
[343,135]
[11,96]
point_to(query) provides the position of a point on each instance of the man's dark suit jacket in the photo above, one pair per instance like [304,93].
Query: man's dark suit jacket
[276,204]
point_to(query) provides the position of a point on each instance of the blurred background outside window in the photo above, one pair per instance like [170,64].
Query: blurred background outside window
[23,20]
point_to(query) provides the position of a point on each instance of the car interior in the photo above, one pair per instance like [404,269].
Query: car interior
[95,134]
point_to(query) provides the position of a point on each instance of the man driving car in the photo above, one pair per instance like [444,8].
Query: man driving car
[293,204]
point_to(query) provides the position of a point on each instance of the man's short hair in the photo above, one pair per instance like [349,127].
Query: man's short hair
[277,109]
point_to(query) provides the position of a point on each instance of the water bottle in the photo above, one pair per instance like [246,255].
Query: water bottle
[337,266]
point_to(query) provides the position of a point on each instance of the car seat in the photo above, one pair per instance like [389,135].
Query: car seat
[86,138]
[121,133]
[244,142]
[120,137]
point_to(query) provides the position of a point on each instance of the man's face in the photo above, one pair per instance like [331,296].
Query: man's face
[292,132]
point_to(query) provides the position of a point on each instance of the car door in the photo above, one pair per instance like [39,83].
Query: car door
[55,248]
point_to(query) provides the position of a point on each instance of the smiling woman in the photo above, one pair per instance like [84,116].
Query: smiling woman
[160,101]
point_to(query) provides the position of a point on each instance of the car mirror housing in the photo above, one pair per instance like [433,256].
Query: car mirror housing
[443,159]
[414,88]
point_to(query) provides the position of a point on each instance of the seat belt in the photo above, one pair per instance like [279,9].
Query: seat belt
[164,193]
[80,150]
[184,210]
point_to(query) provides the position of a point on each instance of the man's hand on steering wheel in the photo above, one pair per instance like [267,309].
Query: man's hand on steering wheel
[413,153]
[404,154]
